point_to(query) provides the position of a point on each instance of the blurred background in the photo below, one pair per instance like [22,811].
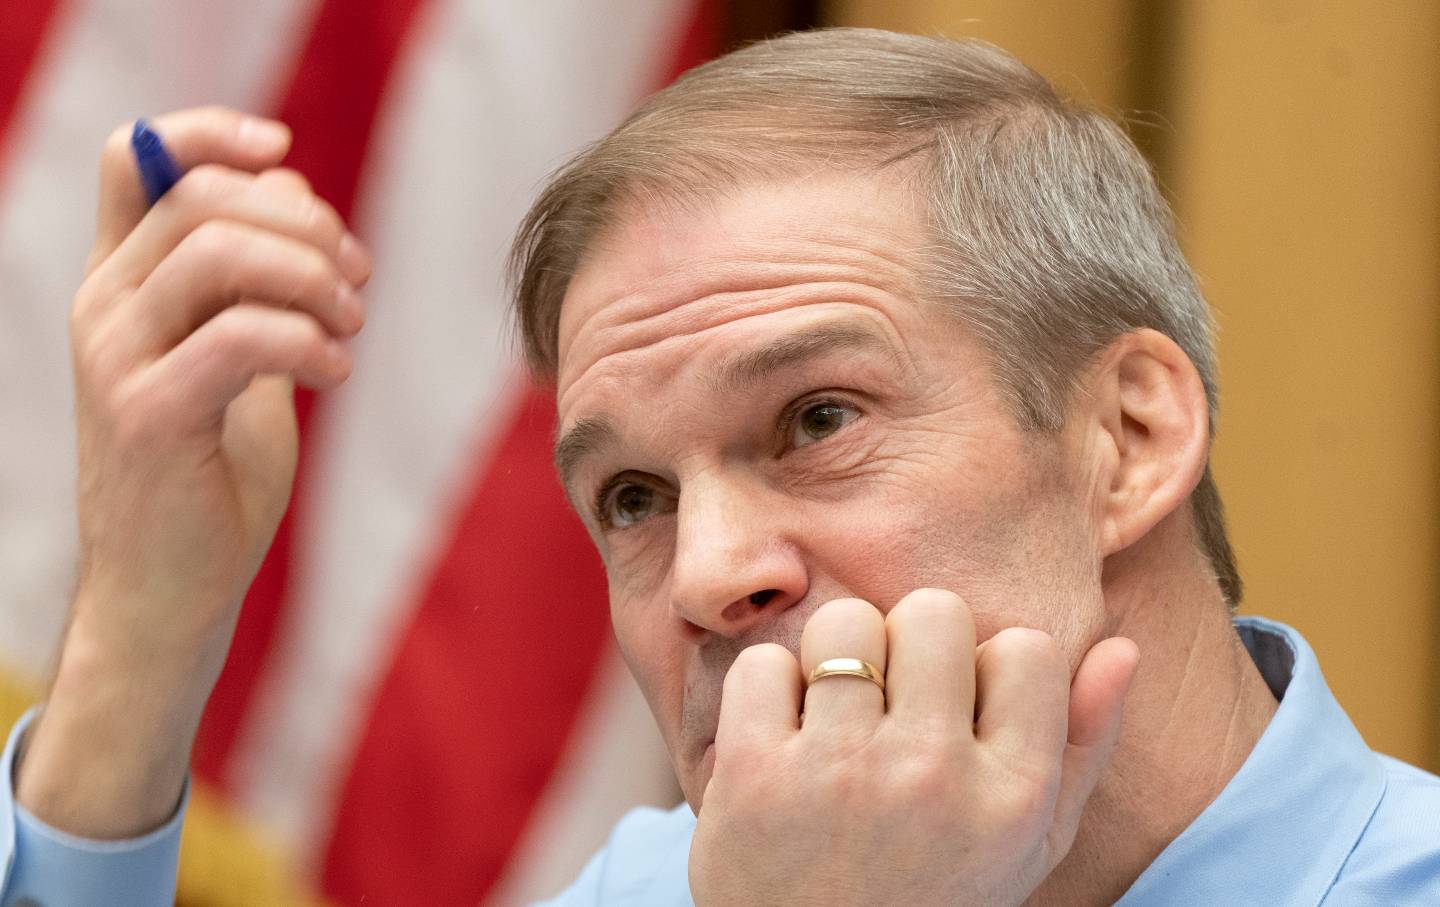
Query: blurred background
[423,705]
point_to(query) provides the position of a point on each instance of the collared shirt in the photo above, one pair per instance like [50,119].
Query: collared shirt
[1313,817]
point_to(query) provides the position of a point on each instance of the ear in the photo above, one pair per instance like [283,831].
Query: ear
[1150,415]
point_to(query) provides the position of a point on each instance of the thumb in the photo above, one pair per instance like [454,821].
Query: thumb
[202,135]
[1097,700]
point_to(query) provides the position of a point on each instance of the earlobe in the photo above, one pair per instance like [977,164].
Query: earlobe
[1153,406]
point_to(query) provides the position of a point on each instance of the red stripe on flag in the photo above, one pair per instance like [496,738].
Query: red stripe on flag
[486,687]
[331,104]
[483,693]
[26,23]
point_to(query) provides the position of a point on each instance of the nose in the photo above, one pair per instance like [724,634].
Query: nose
[735,564]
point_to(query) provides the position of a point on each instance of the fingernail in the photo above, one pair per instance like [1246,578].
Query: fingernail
[263,134]
[350,306]
[353,259]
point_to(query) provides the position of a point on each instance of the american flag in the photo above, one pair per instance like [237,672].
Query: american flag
[423,704]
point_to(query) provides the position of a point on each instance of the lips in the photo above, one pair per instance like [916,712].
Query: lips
[700,719]
[700,710]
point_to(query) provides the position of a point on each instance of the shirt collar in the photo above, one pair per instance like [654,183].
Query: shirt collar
[1283,826]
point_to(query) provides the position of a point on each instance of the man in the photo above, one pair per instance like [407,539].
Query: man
[886,396]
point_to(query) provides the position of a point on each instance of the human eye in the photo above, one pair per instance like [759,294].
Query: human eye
[623,502]
[816,420]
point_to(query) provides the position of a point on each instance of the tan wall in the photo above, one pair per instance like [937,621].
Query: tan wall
[1300,144]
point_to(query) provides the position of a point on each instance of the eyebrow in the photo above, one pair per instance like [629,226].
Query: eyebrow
[583,440]
[739,372]
[745,370]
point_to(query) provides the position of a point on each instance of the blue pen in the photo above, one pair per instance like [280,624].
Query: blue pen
[158,170]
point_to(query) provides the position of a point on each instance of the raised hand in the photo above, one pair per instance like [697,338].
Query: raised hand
[194,318]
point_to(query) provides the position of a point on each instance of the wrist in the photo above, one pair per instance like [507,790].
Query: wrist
[108,756]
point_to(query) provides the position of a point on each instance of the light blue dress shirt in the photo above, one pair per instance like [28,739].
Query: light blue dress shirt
[1313,817]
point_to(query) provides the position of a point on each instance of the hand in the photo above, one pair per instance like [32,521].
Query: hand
[194,318]
[963,783]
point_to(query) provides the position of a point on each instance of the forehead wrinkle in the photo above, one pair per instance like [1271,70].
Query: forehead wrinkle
[625,331]
[611,361]
[752,367]
[617,302]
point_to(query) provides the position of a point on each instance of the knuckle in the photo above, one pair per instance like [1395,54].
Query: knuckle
[85,351]
[212,240]
[321,220]
[763,656]
[750,802]
[135,419]
[852,624]
[206,185]
[284,180]
[1027,643]
[85,302]
[920,780]
[318,275]
[928,606]
[312,344]
[746,757]
[837,783]
[94,351]
[1024,802]
[758,661]
[313,218]
[845,611]
[301,336]
[930,599]
[244,332]
[231,328]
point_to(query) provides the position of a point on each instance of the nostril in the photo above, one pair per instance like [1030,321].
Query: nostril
[763,597]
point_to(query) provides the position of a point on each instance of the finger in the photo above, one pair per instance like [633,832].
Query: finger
[285,178]
[932,659]
[761,698]
[1097,700]
[348,252]
[201,135]
[843,628]
[222,263]
[278,200]
[192,384]
[1022,692]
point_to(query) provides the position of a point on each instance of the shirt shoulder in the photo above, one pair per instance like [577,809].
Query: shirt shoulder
[1397,858]
[644,862]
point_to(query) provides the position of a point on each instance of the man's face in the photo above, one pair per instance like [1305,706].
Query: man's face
[758,414]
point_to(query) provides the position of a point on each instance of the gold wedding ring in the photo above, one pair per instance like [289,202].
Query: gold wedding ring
[847,667]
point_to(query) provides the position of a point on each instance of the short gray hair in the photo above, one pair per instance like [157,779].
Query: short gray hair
[1051,238]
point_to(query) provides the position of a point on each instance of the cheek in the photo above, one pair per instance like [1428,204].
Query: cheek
[907,538]
[1008,541]
[637,560]
[653,649]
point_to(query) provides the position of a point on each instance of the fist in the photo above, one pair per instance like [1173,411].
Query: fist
[196,317]
[962,782]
